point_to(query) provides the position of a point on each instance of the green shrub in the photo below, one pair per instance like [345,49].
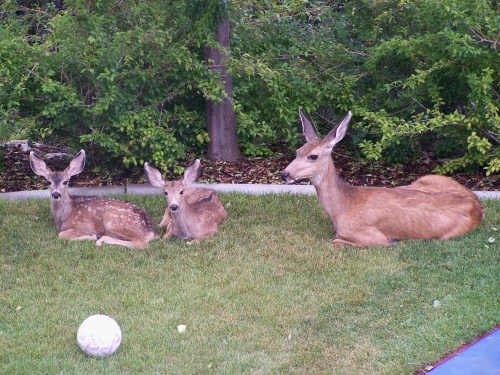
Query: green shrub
[127,80]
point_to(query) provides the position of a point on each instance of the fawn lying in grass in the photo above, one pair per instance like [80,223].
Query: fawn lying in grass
[103,220]
[191,213]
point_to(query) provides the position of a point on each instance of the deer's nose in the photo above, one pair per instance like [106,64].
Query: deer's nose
[284,175]
[56,195]
[174,208]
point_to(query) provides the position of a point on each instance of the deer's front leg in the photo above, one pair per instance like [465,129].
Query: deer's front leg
[166,218]
[74,235]
[170,229]
[341,242]
[368,239]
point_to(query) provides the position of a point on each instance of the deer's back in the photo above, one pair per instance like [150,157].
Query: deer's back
[201,216]
[205,201]
[95,211]
[429,208]
[458,194]
[439,184]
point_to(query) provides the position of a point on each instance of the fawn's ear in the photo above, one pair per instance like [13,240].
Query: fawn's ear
[338,132]
[192,173]
[39,166]
[76,165]
[307,128]
[154,176]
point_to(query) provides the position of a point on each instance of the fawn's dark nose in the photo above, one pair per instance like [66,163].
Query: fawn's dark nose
[174,208]
[284,175]
[56,195]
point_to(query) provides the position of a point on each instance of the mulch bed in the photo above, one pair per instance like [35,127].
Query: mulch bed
[17,174]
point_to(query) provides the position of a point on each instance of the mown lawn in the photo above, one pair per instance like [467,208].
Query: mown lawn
[269,294]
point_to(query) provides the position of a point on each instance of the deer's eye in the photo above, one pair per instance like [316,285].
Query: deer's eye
[65,182]
[313,157]
[166,193]
[181,192]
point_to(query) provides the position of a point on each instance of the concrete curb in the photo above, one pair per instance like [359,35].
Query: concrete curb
[32,194]
[256,189]
[488,194]
[146,189]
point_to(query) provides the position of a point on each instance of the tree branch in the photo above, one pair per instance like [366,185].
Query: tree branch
[491,136]
[496,93]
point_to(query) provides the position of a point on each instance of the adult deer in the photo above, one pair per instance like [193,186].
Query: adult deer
[431,207]
[103,220]
[191,213]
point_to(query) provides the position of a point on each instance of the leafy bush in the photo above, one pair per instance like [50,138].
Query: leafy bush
[127,80]
[115,79]
[438,61]
[417,75]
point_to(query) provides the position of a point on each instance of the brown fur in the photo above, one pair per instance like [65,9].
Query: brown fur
[103,220]
[191,213]
[431,207]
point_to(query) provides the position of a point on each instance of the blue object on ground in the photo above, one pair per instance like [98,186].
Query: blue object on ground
[481,358]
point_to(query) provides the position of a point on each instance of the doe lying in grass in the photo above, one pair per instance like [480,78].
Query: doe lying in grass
[431,207]
[191,213]
[104,220]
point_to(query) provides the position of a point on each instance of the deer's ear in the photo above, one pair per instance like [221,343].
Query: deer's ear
[192,173]
[38,165]
[77,164]
[154,176]
[338,132]
[307,128]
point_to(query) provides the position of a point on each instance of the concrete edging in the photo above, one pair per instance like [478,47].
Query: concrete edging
[146,189]
[32,194]
[488,194]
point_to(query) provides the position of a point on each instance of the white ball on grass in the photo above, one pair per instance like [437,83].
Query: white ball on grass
[99,336]
[181,328]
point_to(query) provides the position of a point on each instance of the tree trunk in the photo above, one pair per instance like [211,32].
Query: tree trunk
[221,119]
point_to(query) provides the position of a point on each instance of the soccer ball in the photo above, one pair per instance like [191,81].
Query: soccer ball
[99,336]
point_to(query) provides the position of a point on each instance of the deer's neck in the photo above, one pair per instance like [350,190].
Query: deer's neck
[61,210]
[181,222]
[333,193]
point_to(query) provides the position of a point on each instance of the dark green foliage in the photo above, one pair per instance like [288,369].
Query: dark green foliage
[418,76]
[434,69]
[118,79]
[127,80]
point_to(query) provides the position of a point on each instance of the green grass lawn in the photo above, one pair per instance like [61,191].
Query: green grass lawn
[268,294]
